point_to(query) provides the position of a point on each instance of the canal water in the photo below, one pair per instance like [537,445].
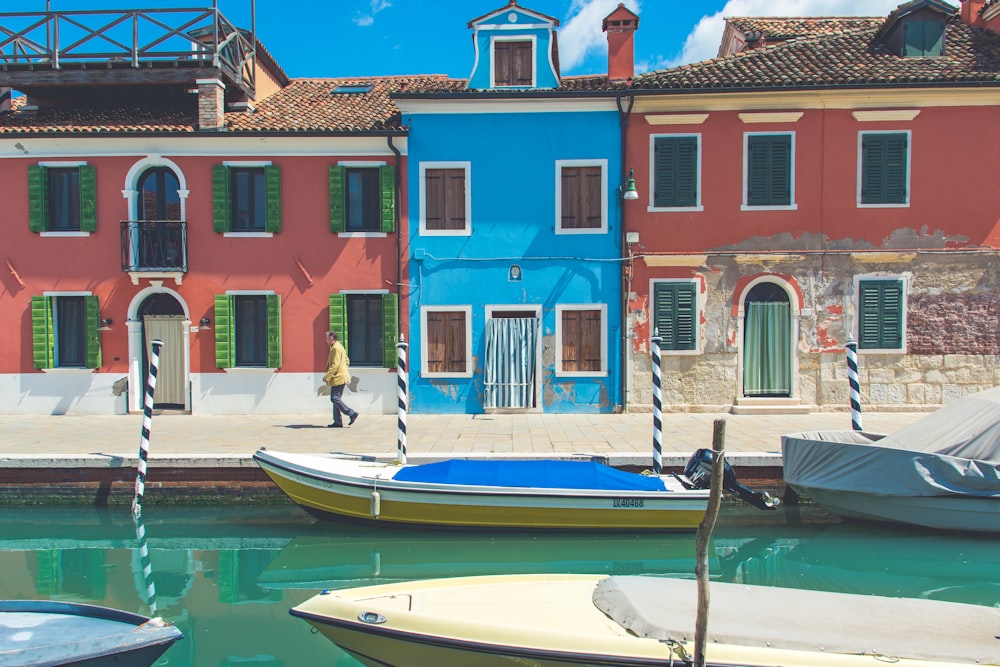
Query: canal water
[227,576]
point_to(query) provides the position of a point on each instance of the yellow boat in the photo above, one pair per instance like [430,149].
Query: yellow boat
[573,620]
[549,494]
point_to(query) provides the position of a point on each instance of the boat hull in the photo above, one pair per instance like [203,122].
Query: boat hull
[36,633]
[367,492]
[553,621]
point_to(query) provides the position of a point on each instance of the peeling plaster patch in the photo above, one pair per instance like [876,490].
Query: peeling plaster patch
[834,309]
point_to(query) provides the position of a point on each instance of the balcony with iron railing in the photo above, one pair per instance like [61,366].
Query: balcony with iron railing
[154,249]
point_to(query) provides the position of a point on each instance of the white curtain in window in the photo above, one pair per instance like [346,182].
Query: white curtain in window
[510,362]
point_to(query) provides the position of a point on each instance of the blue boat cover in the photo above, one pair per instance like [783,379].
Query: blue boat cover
[547,474]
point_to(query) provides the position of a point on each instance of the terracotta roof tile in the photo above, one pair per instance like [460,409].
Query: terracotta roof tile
[838,56]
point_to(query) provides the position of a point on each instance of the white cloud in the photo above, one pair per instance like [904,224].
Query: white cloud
[703,41]
[581,34]
[364,19]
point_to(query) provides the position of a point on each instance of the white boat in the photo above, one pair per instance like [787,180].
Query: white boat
[942,471]
[550,494]
[37,633]
[563,620]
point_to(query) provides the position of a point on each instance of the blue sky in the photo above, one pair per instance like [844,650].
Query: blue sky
[318,38]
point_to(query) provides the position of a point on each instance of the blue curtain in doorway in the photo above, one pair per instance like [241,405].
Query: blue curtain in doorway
[510,362]
[767,349]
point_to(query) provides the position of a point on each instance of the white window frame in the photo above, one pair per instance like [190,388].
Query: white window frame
[534,59]
[792,205]
[62,165]
[904,278]
[652,208]
[467,167]
[860,167]
[247,164]
[699,296]
[424,371]
[603,309]
[68,370]
[603,164]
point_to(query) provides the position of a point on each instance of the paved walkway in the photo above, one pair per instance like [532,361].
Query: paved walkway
[185,440]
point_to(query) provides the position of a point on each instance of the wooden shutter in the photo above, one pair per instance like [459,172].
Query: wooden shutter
[675,313]
[43,340]
[88,199]
[221,205]
[445,345]
[503,66]
[590,341]
[571,340]
[522,61]
[93,336]
[434,199]
[883,158]
[338,210]
[454,199]
[273,302]
[225,331]
[572,214]
[769,170]
[390,330]
[272,183]
[38,200]
[675,162]
[338,317]
[881,318]
[456,353]
[387,179]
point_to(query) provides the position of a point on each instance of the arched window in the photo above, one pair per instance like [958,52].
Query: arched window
[158,194]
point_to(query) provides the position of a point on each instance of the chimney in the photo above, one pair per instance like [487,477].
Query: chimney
[5,94]
[970,12]
[211,108]
[621,25]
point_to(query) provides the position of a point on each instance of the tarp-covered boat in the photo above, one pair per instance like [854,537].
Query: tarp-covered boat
[36,633]
[563,620]
[487,493]
[942,471]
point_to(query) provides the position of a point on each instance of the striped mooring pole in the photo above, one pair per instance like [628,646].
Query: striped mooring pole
[402,392]
[657,406]
[852,376]
[147,424]
[147,567]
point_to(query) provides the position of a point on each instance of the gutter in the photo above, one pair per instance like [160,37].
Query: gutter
[399,239]
[623,121]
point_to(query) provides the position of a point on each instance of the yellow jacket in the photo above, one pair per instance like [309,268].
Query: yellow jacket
[337,366]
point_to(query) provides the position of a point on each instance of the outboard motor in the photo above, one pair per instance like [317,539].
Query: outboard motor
[698,472]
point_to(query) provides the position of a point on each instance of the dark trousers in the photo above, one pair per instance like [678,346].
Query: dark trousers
[339,407]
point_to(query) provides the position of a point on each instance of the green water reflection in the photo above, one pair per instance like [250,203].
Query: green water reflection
[228,576]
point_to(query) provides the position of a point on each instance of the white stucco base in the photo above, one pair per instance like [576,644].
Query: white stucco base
[222,393]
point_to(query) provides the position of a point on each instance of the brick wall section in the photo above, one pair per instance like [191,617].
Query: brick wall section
[211,104]
[953,324]
[116,486]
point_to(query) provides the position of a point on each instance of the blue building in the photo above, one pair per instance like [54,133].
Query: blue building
[515,240]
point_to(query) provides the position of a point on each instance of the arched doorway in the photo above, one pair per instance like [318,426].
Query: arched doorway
[767,342]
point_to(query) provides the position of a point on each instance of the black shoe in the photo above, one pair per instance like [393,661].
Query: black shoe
[354,418]
[335,426]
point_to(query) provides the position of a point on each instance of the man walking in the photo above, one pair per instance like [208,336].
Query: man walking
[337,375]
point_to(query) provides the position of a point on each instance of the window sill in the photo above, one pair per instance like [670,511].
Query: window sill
[248,370]
[903,205]
[781,207]
[675,209]
[454,376]
[66,234]
[882,350]
[679,353]
[249,235]
[446,232]
[585,230]
[586,374]
[362,235]
[69,371]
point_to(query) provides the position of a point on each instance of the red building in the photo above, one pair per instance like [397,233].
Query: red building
[822,180]
[187,190]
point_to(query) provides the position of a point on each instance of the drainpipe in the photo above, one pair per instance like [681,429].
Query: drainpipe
[399,237]
[623,120]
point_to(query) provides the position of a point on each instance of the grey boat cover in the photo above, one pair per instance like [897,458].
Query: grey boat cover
[954,451]
[794,619]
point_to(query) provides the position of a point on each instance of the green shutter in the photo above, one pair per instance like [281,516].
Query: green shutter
[883,175]
[221,209]
[390,330]
[273,331]
[338,214]
[676,167]
[93,336]
[881,316]
[225,338]
[88,199]
[338,316]
[769,170]
[43,340]
[272,179]
[675,315]
[38,199]
[387,178]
